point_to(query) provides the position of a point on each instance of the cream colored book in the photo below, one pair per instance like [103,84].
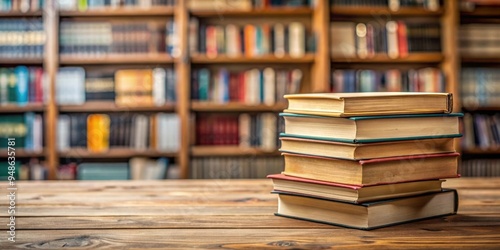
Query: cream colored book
[367,104]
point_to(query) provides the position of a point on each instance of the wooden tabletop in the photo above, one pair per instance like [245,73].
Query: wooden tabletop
[233,214]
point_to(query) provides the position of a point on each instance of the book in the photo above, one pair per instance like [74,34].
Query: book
[134,87]
[370,215]
[372,171]
[359,104]
[359,151]
[351,193]
[365,129]
[98,132]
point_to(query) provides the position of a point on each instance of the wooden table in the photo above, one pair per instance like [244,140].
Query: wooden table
[235,214]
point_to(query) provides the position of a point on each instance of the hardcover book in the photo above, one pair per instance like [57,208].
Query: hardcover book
[372,128]
[351,193]
[368,215]
[372,171]
[375,103]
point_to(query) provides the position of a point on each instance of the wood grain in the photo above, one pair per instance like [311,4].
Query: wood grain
[230,214]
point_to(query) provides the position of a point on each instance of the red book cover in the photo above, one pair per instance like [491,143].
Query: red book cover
[402,39]
[242,87]
[233,87]
[38,85]
[211,41]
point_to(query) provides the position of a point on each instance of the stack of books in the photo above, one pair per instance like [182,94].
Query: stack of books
[367,160]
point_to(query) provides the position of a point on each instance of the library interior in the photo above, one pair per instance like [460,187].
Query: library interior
[243,123]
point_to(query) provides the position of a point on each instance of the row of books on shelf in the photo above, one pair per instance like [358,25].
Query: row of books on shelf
[244,4]
[394,80]
[100,132]
[480,87]
[21,85]
[33,169]
[479,39]
[26,129]
[74,5]
[22,38]
[394,38]
[244,130]
[250,40]
[235,167]
[126,87]
[481,131]
[252,86]
[99,38]
[366,179]
[480,168]
[470,5]
[393,5]
[22,6]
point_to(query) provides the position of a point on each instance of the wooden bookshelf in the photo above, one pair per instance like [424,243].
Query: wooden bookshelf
[30,107]
[21,14]
[265,12]
[428,58]
[101,106]
[202,59]
[117,59]
[480,59]
[317,67]
[481,12]
[203,106]
[200,151]
[114,153]
[21,153]
[382,11]
[20,61]
[153,11]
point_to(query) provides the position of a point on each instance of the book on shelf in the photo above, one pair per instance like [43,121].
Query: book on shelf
[364,129]
[479,40]
[70,86]
[22,38]
[393,5]
[372,171]
[243,167]
[148,169]
[250,40]
[103,171]
[254,86]
[481,131]
[159,131]
[369,215]
[31,169]
[99,87]
[242,5]
[21,85]
[480,87]
[116,38]
[351,193]
[486,167]
[26,129]
[359,151]
[359,104]
[74,5]
[396,39]
[24,6]
[392,80]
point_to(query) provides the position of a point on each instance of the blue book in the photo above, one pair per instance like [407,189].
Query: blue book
[204,84]
[22,75]
[29,118]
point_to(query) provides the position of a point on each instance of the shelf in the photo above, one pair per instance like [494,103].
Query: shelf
[375,11]
[267,12]
[479,151]
[202,59]
[21,153]
[106,106]
[481,12]
[116,59]
[114,153]
[201,106]
[411,58]
[480,59]
[4,60]
[482,108]
[134,11]
[230,151]
[21,14]
[12,108]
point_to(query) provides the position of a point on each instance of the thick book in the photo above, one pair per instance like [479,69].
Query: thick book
[352,193]
[369,215]
[373,103]
[358,151]
[373,128]
[372,171]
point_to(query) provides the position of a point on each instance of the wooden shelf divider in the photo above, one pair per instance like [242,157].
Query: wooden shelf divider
[230,151]
[22,153]
[383,11]
[30,107]
[203,106]
[381,58]
[117,59]
[114,153]
[202,59]
[160,11]
[264,12]
[102,106]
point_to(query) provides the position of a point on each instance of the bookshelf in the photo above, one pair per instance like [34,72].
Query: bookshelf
[317,66]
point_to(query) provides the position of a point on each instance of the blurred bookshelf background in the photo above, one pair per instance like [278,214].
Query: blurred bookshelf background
[166,89]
